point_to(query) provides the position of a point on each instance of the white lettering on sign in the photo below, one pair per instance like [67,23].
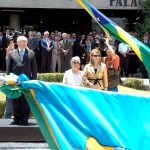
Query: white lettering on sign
[125,3]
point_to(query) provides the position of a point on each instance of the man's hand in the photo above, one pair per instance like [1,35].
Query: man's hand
[107,41]
[49,49]
[124,55]
[65,52]
[27,48]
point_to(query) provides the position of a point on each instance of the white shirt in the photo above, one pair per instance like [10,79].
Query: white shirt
[123,47]
[7,36]
[71,78]
[21,50]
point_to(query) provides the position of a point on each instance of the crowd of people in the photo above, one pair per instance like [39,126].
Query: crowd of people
[91,61]
[54,50]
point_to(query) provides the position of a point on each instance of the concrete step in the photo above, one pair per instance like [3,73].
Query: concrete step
[18,133]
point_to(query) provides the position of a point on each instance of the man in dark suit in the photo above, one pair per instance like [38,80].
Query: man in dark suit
[65,46]
[46,53]
[32,42]
[1,51]
[5,43]
[146,41]
[21,60]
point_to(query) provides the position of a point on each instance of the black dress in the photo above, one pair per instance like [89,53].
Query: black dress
[79,50]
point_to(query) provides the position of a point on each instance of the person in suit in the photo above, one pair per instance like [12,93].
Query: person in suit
[56,58]
[46,53]
[21,60]
[1,50]
[38,51]
[95,73]
[65,46]
[6,39]
[79,50]
[89,44]
[5,43]
[32,42]
[146,41]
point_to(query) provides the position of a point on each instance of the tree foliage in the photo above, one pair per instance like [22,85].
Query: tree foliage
[144,26]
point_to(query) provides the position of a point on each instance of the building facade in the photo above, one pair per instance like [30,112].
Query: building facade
[65,15]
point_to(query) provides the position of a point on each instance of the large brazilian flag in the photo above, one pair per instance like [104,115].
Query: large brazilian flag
[112,29]
[78,118]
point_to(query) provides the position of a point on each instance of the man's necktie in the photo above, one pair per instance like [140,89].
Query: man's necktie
[21,54]
[7,37]
[57,49]
[0,41]
[57,45]
[65,44]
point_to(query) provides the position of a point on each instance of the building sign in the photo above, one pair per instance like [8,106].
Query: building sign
[125,3]
[67,4]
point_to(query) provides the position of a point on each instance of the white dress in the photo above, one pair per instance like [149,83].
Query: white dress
[71,78]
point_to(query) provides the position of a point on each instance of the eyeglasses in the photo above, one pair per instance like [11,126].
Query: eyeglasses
[96,55]
[24,41]
[74,62]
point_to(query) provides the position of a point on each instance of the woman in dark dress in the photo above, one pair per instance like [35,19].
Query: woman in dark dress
[79,50]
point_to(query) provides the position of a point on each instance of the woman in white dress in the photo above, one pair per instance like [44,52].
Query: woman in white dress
[73,76]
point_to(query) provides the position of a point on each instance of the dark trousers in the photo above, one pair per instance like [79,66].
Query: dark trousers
[38,60]
[2,59]
[124,65]
[133,64]
[21,109]
[143,70]
[46,63]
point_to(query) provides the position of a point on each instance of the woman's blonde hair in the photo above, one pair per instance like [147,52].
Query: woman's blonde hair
[94,51]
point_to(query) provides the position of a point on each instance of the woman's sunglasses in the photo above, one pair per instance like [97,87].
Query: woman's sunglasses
[96,55]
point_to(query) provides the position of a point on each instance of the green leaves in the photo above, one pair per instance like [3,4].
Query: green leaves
[144,26]
[134,83]
[51,77]
[145,6]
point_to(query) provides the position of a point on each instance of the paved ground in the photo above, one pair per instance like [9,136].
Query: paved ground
[17,137]
[23,145]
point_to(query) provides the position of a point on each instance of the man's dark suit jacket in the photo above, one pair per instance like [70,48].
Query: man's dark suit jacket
[147,44]
[33,43]
[27,66]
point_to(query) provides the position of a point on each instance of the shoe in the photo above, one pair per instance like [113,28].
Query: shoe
[24,123]
[15,123]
